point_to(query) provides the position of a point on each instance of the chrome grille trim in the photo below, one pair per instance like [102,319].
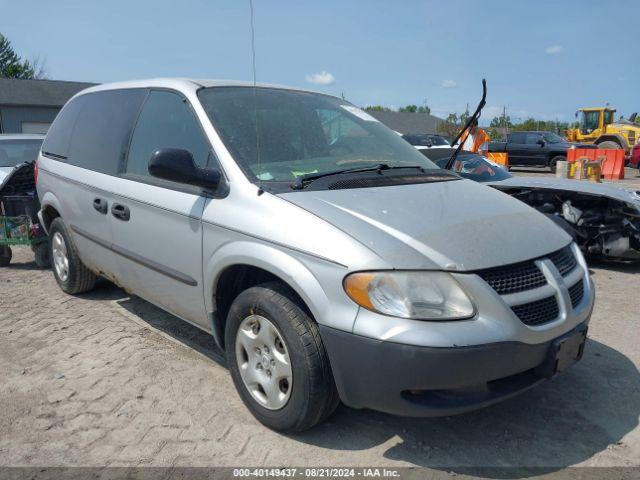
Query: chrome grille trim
[553,298]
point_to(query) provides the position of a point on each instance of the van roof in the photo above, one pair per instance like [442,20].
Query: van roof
[183,84]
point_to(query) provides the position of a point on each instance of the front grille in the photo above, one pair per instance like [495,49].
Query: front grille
[576,293]
[520,277]
[564,260]
[514,278]
[538,312]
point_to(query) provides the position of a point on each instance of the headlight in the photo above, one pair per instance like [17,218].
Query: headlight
[417,295]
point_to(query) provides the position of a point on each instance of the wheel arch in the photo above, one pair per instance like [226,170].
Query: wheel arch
[50,209]
[247,264]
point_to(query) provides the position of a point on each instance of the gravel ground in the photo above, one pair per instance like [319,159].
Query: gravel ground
[108,379]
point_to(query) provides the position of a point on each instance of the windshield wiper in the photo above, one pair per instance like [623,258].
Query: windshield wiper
[304,180]
[475,116]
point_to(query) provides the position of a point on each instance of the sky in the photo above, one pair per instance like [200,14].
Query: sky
[543,59]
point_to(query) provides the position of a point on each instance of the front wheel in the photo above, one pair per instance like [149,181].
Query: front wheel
[277,360]
[5,255]
[609,145]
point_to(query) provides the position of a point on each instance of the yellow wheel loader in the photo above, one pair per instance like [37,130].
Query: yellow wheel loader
[597,125]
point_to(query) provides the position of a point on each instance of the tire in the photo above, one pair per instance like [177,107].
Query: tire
[310,397]
[610,145]
[554,161]
[42,254]
[5,255]
[76,278]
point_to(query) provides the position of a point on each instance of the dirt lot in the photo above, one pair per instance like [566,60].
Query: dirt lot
[108,379]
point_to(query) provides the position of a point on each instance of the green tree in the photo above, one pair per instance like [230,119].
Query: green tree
[415,109]
[501,122]
[409,109]
[12,66]
[377,108]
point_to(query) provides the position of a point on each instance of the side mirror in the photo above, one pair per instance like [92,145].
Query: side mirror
[541,142]
[177,165]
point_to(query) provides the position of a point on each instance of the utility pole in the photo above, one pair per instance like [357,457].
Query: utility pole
[504,120]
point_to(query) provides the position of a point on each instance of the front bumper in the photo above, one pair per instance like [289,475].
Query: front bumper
[428,382]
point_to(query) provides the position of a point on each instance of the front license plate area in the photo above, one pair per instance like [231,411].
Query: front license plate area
[563,352]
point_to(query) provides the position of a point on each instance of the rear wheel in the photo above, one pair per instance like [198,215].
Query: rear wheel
[609,145]
[277,360]
[5,255]
[70,273]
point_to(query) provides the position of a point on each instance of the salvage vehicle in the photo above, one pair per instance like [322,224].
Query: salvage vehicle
[535,149]
[19,206]
[598,126]
[603,219]
[16,149]
[328,258]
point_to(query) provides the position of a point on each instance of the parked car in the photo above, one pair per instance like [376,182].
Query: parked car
[426,140]
[326,256]
[16,149]
[603,219]
[635,156]
[535,149]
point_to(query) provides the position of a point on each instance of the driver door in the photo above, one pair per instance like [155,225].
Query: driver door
[534,150]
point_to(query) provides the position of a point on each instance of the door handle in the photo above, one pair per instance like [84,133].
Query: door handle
[121,212]
[100,204]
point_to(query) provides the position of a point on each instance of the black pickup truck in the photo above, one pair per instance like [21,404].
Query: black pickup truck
[535,149]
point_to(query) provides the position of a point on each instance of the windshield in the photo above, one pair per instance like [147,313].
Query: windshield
[553,138]
[301,133]
[14,152]
[476,167]
[589,121]
[425,140]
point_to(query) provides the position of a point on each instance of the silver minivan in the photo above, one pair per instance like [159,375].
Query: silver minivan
[327,257]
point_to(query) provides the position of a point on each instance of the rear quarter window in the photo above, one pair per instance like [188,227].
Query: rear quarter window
[102,129]
[58,137]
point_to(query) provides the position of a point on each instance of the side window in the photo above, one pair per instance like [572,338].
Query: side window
[532,138]
[166,121]
[102,129]
[58,137]
[516,138]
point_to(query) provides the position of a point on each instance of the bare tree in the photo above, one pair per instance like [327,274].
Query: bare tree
[39,65]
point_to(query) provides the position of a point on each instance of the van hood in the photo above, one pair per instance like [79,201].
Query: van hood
[456,225]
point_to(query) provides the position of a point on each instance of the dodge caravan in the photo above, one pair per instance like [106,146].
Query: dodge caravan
[327,257]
